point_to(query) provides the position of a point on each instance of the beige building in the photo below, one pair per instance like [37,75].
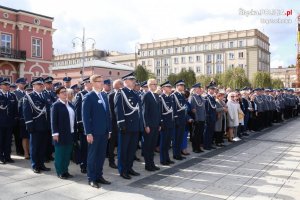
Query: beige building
[129,59]
[208,54]
[287,75]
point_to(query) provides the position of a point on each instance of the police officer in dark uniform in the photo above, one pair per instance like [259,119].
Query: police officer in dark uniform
[78,111]
[107,86]
[50,98]
[35,115]
[211,117]
[75,89]
[167,123]
[8,117]
[259,102]
[67,82]
[180,115]
[130,123]
[20,93]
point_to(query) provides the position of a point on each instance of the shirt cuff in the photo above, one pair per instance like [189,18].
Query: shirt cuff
[55,134]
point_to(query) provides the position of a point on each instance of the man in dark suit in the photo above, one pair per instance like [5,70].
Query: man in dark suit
[117,85]
[130,123]
[35,115]
[78,111]
[97,127]
[152,116]
[8,116]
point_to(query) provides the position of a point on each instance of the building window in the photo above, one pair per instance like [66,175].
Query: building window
[230,44]
[206,47]
[158,63]
[241,65]
[208,58]
[231,56]
[166,72]
[198,69]
[199,48]
[109,72]
[162,52]
[191,59]
[182,59]
[118,73]
[176,60]
[36,47]
[219,69]
[241,43]
[143,63]
[241,54]
[183,49]
[176,50]
[169,51]
[36,21]
[149,62]
[191,48]
[5,43]
[198,58]
[149,53]
[157,72]
[231,66]
[208,69]
[219,57]
[165,62]
[155,52]
[222,45]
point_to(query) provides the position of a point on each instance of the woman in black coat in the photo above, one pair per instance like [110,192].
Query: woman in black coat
[63,128]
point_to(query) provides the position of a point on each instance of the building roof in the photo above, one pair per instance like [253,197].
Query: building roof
[96,63]
[24,11]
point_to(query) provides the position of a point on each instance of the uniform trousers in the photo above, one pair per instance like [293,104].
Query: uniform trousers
[127,145]
[5,142]
[197,138]
[38,142]
[165,142]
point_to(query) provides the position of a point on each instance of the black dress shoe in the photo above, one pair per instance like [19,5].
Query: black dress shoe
[68,175]
[9,160]
[208,149]
[150,169]
[165,163]
[133,173]
[94,184]
[83,170]
[113,165]
[178,157]
[212,147]
[2,161]
[197,151]
[170,162]
[155,167]
[35,170]
[62,176]
[103,181]
[44,168]
[125,176]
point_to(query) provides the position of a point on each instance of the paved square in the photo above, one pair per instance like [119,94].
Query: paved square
[265,165]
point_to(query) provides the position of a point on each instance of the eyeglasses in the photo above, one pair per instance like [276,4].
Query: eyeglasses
[61,92]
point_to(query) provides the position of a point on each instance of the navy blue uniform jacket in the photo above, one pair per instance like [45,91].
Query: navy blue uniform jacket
[151,110]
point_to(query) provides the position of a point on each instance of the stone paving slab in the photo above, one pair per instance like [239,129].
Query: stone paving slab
[265,165]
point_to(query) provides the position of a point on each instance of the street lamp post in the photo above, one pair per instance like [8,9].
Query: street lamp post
[83,41]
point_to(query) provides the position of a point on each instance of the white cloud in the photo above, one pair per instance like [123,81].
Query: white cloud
[120,25]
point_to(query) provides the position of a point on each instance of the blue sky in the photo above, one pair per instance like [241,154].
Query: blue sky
[120,24]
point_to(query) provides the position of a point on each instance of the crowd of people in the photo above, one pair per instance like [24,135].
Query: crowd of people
[90,121]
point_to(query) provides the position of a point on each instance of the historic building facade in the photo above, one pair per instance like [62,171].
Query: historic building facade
[26,44]
[208,54]
[287,75]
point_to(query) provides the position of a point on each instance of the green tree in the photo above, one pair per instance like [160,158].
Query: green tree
[277,83]
[142,74]
[204,80]
[189,77]
[262,79]
[234,78]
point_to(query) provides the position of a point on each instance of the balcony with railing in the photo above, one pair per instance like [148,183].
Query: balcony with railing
[12,54]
